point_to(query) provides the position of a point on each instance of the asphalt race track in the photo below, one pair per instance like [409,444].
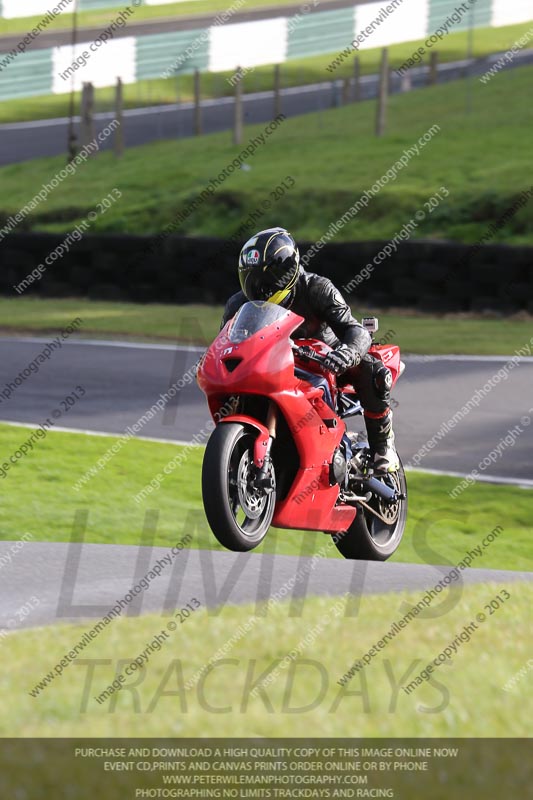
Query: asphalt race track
[123,380]
[72,590]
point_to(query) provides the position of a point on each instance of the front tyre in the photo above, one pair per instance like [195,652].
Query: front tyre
[238,512]
[370,537]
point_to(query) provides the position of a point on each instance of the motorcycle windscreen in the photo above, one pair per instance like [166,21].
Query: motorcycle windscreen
[253,317]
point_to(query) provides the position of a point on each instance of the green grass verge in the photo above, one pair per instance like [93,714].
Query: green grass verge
[414,332]
[104,16]
[294,73]
[38,498]
[456,701]
[159,180]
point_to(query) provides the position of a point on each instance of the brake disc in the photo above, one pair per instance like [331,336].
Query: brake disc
[251,499]
[389,511]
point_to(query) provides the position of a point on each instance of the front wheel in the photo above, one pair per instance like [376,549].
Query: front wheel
[376,538]
[238,512]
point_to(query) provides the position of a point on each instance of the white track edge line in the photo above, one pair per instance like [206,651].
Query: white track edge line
[521,482]
[414,357]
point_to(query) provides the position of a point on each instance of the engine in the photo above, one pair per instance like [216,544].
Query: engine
[338,469]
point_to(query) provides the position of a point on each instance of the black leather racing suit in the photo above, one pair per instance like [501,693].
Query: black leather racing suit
[328,317]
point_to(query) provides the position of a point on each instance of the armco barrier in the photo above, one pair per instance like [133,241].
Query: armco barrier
[426,275]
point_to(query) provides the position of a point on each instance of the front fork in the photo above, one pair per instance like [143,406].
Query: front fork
[263,479]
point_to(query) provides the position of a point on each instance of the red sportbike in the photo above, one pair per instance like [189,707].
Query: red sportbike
[279,454]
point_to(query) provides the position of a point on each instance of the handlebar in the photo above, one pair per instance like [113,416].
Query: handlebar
[308,354]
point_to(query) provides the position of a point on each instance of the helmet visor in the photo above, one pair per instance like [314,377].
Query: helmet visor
[273,283]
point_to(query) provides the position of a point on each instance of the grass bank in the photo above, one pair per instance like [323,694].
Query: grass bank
[104,16]
[199,324]
[303,697]
[160,180]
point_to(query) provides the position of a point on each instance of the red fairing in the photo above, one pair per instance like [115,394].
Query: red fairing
[263,365]
[390,355]
[267,363]
[262,439]
[322,349]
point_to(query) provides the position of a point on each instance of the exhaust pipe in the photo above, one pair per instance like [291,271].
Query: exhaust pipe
[381,489]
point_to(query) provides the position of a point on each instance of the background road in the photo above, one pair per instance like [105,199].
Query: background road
[163,24]
[123,380]
[22,141]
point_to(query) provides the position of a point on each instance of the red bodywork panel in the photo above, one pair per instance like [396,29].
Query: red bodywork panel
[261,441]
[390,355]
[263,364]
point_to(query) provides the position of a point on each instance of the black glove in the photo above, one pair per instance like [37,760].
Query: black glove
[341,359]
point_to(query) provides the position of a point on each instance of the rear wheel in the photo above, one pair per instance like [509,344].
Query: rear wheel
[238,512]
[371,537]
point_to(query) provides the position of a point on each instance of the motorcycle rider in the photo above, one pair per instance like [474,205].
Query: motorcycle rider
[269,270]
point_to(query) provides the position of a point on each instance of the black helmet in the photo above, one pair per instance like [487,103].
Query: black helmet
[269,265]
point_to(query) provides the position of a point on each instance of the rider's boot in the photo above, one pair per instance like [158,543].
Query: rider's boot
[384,457]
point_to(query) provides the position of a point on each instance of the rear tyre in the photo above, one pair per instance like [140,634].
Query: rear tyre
[238,513]
[370,538]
